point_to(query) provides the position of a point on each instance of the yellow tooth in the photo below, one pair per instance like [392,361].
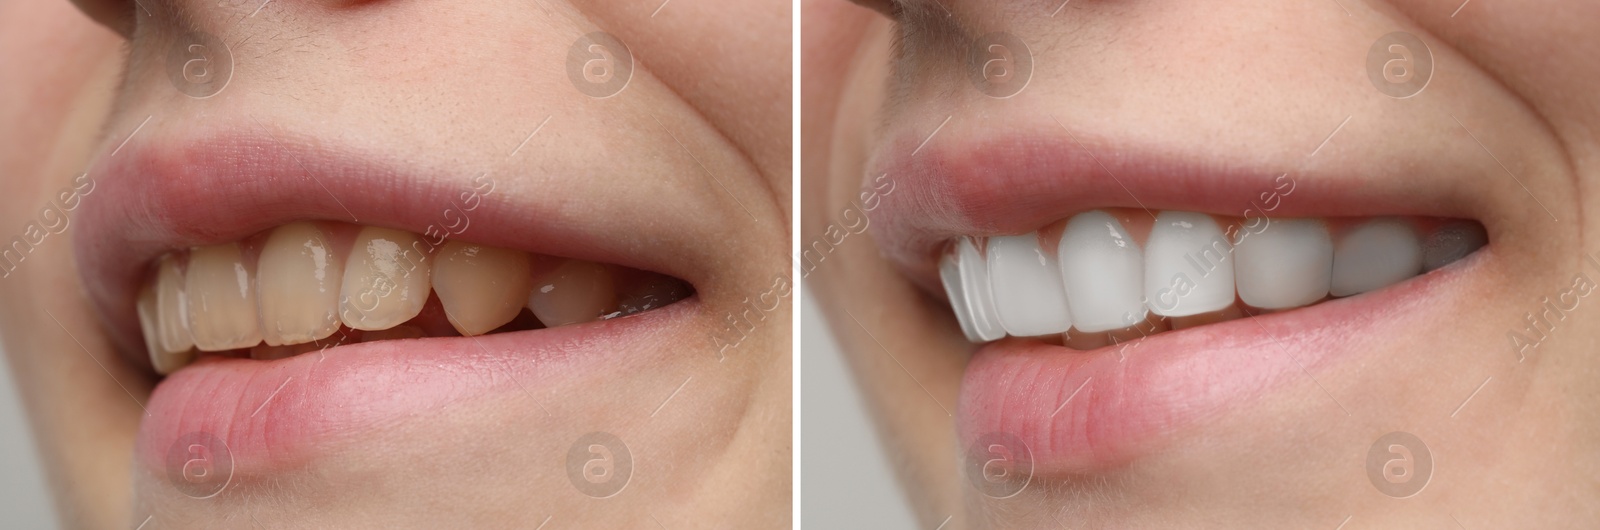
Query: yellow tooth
[221,299]
[164,361]
[386,280]
[172,308]
[574,292]
[298,277]
[481,288]
[266,352]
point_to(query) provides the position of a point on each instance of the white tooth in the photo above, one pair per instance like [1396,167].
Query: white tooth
[1375,255]
[1188,265]
[977,292]
[1027,287]
[1451,243]
[1288,264]
[950,275]
[1103,272]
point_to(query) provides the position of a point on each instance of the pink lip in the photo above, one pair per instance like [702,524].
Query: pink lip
[274,415]
[152,199]
[1129,400]
[1034,173]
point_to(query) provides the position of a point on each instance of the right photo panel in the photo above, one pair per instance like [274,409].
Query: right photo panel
[1232,264]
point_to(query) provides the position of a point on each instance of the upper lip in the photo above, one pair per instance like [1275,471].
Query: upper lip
[975,180]
[219,187]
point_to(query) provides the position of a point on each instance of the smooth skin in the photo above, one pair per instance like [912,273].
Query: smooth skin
[433,85]
[1216,80]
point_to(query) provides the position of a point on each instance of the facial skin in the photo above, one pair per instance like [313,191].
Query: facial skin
[1255,85]
[445,90]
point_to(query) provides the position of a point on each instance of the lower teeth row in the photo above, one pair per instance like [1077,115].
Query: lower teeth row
[1094,275]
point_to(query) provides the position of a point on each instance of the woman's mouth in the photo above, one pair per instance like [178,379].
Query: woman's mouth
[298,296]
[1123,299]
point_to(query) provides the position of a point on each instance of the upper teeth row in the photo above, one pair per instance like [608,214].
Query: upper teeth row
[303,287]
[1098,278]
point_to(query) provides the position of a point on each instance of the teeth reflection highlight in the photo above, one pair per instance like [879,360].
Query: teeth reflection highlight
[1102,269]
[1028,294]
[482,288]
[1375,255]
[222,299]
[298,277]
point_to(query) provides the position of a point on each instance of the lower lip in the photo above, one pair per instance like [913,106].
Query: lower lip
[1132,400]
[279,415]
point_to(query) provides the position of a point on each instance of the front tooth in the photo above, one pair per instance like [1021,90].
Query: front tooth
[481,288]
[172,308]
[574,292]
[1452,242]
[1027,287]
[221,298]
[1188,270]
[1288,264]
[299,282]
[386,280]
[1375,255]
[163,360]
[978,291]
[1103,272]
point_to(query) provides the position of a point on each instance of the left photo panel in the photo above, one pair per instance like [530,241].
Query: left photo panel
[396,263]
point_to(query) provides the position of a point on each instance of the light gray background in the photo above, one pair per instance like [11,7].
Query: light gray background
[844,478]
[24,501]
